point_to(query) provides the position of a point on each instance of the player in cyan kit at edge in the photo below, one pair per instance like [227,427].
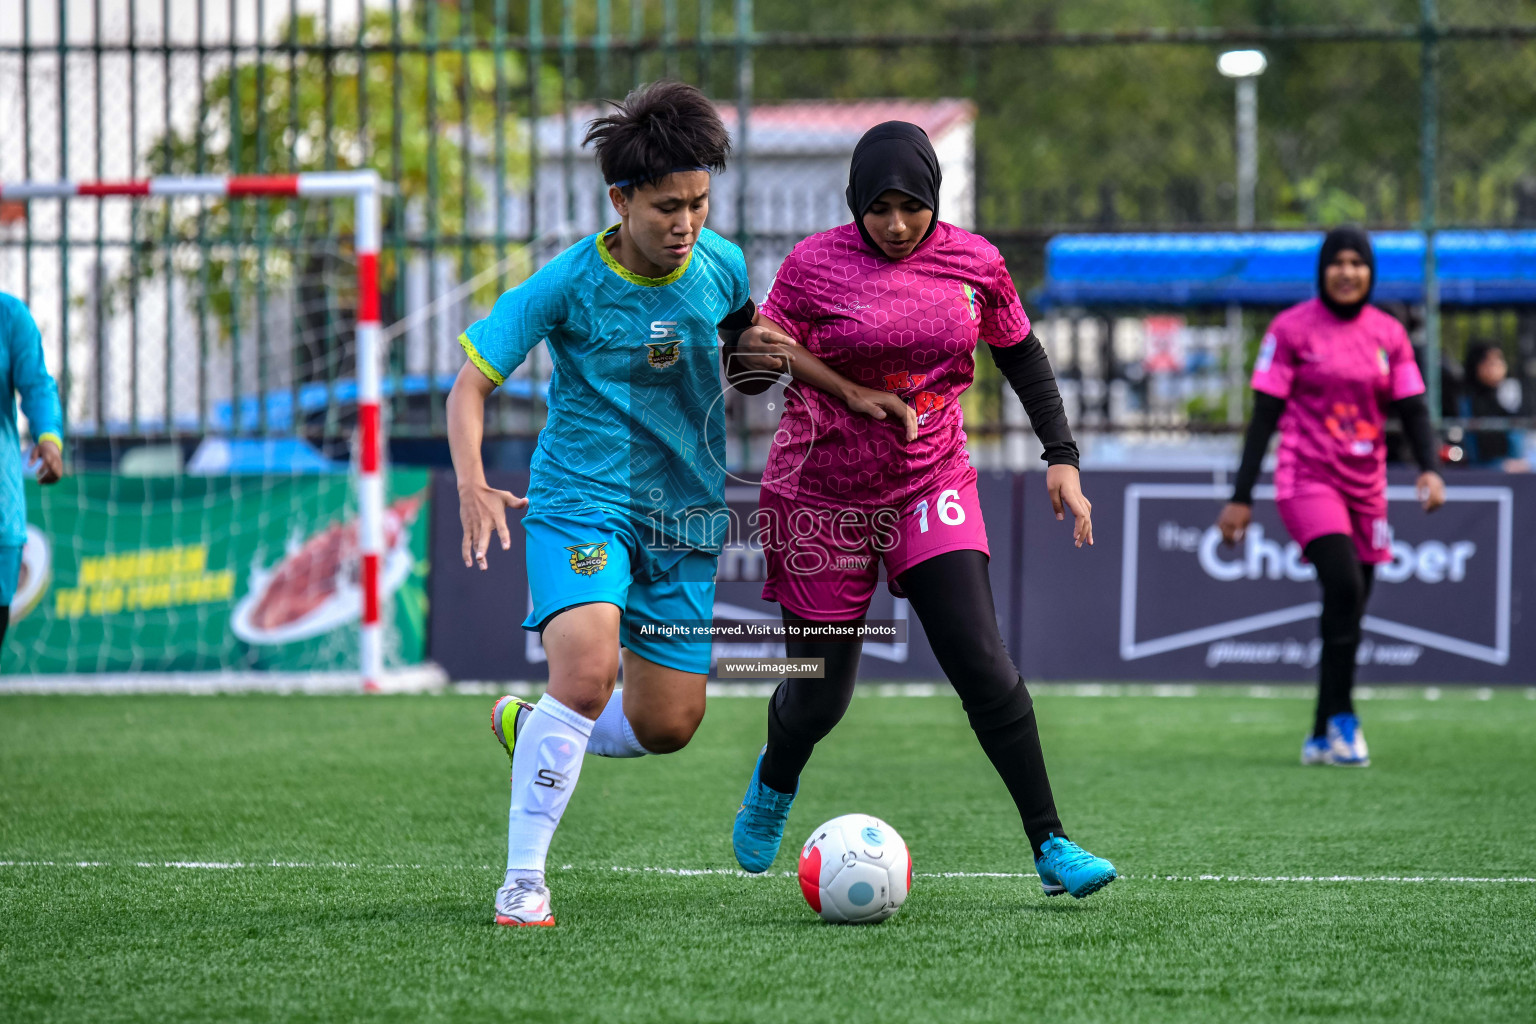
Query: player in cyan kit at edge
[626,510]
[22,370]
[1327,372]
[874,468]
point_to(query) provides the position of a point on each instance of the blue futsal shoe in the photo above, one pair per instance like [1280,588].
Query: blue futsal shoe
[1316,751]
[760,823]
[1346,741]
[1064,866]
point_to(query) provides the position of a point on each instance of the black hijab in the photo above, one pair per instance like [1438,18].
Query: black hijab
[1484,399]
[896,154]
[1339,239]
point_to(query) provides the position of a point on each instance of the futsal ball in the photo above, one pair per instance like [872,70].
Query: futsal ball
[855,870]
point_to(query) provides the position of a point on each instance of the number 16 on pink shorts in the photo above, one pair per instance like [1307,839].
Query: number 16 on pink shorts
[940,518]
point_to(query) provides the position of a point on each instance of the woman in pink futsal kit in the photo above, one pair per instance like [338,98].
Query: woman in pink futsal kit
[881,319]
[1327,373]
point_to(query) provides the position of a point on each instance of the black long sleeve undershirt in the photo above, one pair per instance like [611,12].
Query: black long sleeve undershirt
[1266,417]
[1413,411]
[1028,371]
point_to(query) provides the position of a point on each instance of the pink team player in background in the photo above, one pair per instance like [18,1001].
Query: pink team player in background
[1328,371]
[881,319]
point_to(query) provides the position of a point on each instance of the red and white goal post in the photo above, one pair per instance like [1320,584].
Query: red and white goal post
[363,188]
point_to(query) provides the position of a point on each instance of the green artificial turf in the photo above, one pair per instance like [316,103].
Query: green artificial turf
[388,817]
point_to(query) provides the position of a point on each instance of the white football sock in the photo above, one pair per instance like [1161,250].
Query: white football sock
[612,736]
[545,765]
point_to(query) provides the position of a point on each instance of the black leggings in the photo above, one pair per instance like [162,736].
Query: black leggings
[1346,583]
[5,620]
[952,597]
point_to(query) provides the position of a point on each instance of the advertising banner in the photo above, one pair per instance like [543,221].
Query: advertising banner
[189,573]
[477,616]
[1159,597]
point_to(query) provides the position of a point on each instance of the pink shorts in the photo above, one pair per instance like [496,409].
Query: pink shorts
[1315,510]
[824,561]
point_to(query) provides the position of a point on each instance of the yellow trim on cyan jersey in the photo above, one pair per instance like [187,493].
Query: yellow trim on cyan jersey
[629,275]
[480,362]
[51,436]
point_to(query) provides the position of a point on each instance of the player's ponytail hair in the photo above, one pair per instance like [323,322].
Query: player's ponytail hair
[655,130]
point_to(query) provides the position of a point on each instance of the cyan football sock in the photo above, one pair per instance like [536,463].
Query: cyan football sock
[545,766]
[612,735]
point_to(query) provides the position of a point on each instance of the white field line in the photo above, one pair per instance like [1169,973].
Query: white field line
[1413,879]
[412,679]
[431,679]
[209,865]
[1298,691]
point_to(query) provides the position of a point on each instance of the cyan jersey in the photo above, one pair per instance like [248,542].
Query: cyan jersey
[21,369]
[636,419]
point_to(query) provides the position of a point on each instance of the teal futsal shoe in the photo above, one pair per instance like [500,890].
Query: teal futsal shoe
[520,709]
[1316,751]
[1346,742]
[1064,866]
[760,823]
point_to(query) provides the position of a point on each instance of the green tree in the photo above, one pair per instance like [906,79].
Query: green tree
[332,112]
[1123,135]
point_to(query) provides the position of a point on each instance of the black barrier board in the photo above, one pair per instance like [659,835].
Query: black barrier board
[1161,598]
[476,627]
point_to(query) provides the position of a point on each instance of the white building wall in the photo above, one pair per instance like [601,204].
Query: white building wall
[796,179]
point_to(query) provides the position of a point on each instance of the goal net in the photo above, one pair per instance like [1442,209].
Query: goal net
[227,509]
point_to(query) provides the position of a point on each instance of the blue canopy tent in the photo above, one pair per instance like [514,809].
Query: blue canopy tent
[313,397]
[1475,268]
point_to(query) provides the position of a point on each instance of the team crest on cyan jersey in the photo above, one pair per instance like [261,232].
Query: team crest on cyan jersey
[587,559]
[970,300]
[662,354]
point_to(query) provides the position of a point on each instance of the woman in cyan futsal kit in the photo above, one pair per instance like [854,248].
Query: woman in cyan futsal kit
[22,371]
[626,498]
[881,318]
[1327,373]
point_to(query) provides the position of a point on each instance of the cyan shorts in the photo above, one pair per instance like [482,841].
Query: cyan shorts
[666,595]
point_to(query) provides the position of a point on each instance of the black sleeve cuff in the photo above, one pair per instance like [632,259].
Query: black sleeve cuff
[1061,453]
[748,382]
[741,319]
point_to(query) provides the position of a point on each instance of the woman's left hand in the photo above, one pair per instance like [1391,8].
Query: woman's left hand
[762,348]
[1066,489]
[1431,490]
[881,405]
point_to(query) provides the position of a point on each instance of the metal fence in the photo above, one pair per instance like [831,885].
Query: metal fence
[164,321]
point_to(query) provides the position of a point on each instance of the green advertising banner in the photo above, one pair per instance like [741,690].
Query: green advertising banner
[189,573]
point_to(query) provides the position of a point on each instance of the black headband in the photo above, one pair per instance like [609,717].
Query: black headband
[626,182]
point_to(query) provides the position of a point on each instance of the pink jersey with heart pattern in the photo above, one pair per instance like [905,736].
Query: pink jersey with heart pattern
[909,326]
[1337,378]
